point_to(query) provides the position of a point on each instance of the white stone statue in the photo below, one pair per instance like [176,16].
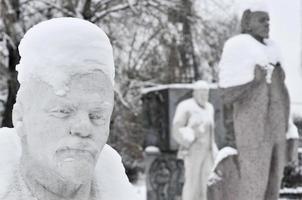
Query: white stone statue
[57,149]
[193,130]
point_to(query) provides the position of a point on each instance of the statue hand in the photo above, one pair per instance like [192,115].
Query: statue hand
[260,73]
[187,135]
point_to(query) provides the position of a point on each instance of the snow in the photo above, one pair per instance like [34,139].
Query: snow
[200,85]
[9,148]
[152,149]
[174,86]
[296,110]
[269,68]
[292,132]
[240,55]
[224,153]
[57,49]
[140,187]
[297,190]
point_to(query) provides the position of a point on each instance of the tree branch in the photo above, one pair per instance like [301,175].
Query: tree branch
[63,10]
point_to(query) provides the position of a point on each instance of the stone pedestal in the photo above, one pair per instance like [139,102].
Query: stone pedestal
[164,176]
[165,173]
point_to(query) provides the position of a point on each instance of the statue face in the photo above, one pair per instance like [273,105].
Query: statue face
[201,96]
[259,25]
[65,134]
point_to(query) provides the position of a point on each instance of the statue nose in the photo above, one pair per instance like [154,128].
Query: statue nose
[81,127]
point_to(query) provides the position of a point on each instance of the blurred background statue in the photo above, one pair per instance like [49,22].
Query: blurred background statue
[252,84]
[193,130]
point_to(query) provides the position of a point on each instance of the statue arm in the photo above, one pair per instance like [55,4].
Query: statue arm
[236,93]
[182,134]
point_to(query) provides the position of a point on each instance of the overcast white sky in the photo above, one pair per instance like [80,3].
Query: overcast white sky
[286,31]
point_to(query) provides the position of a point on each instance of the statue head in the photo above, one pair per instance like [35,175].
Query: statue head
[255,21]
[201,92]
[66,96]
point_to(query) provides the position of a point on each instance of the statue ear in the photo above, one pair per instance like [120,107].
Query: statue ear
[18,119]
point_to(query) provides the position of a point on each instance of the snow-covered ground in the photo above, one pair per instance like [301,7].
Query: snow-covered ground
[140,187]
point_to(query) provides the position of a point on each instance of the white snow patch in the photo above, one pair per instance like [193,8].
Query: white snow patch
[59,48]
[292,132]
[200,85]
[224,153]
[296,110]
[140,187]
[297,190]
[152,149]
[174,86]
[240,55]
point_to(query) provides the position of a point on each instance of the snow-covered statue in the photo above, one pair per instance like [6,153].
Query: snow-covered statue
[193,130]
[57,149]
[251,79]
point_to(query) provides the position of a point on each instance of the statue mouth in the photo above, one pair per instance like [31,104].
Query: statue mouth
[70,154]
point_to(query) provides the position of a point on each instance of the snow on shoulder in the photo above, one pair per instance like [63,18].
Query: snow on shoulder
[111,177]
[110,173]
[240,55]
[57,49]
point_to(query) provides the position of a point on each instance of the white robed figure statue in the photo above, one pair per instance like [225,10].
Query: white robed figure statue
[193,130]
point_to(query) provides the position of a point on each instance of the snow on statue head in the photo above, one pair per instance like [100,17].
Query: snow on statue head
[201,92]
[65,101]
[56,49]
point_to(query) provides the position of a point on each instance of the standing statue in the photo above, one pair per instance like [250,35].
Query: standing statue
[252,84]
[193,130]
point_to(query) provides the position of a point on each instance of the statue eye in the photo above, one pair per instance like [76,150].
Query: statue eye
[64,111]
[97,117]
[61,112]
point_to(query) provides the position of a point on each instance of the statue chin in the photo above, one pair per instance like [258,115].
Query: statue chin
[76,171]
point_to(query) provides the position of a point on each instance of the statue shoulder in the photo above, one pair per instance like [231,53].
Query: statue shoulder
[10,150]
[112,180]
[238,42]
